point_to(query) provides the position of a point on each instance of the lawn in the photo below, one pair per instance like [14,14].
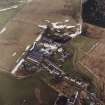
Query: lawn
[79,47]
[8,3]
[82,44]
[5,16]
[13,92]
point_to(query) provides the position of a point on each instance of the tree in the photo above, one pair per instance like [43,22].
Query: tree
[94,12]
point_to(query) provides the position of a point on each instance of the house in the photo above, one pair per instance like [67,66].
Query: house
[72,100]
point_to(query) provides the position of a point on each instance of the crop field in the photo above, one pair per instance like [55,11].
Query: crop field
[79,47]
[7,3]
[21,30]
[5,17]
[14,92]
[94,61]
[9,12]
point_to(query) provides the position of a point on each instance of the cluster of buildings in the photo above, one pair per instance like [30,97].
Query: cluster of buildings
[63,100]
[78,98]
[44,54]
[39,56]
[49,43]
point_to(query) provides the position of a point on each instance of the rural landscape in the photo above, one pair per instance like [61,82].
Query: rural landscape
[51,53]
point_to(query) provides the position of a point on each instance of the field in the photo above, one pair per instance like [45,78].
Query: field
[94,60]
[7,15]
[22,29]
[14,92]
[79,47]
[7,3]
[19,29]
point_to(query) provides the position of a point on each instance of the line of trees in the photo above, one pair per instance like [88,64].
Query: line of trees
[94,12]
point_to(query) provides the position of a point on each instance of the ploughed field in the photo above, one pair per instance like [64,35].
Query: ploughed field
[94,60]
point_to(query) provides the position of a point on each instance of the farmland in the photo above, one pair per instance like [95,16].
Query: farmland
[19,29]
[8,14]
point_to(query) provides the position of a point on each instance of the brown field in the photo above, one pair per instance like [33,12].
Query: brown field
[93,31]
[94,60]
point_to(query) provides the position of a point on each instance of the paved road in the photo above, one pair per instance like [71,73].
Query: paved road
[22,30]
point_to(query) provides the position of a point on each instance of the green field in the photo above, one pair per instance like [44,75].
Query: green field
[8,3]
[82,45]
[14,92]
[7,15]
[79,47]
